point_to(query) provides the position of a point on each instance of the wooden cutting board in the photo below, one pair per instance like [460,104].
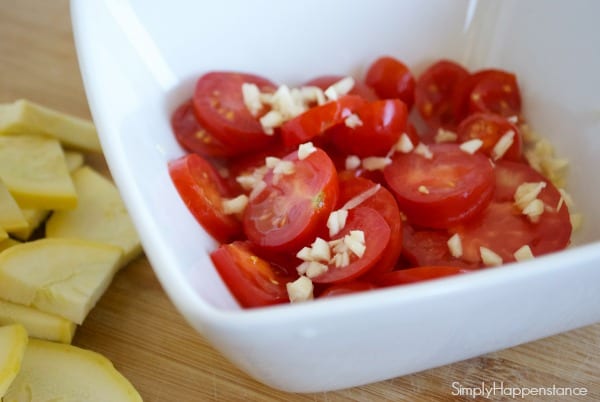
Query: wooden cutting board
[137,327]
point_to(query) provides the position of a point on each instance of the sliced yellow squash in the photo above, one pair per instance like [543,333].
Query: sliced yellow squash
[25,117]
[65,277]
[35,217]
[37,323]
[100,215]
[35,172]
[58,372]
[13,341]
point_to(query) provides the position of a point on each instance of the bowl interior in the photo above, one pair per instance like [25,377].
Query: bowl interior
[146,60]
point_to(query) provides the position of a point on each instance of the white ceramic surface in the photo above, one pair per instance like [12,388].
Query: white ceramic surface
[140,58]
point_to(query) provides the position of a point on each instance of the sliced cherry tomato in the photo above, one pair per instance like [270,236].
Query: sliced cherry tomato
[340,289]
[497,93]
[423,247]
[318,119]
[434,93]
[492,91]
[382,201]
[418,274]
[220,108]
[192,136]
[392,79]
[359,88]
[253,281]
[381,123]
[450,187]
[376,234]
[503,228]
[293,208]
[202,190]
[489,128]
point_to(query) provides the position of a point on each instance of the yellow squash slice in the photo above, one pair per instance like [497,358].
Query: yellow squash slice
[58,372]
[24,116]
[65,277]
[35,217]
[13,341]
[35,172]
[100,215]
[37,323]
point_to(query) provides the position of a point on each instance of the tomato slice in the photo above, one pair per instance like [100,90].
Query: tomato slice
[503,229]
[434,93]
[418,274]
[220,108]
[381,123]
[252,280]
[489,128]
[377,236]
[339,289]
[293,208]
[492,91]
[383,202]
[424,247]
[390,78]
[318,119]
[496,93]
[359,89]
[450,187]
[192,136]
[202,190]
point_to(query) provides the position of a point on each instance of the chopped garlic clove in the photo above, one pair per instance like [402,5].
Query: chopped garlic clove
[489,258]
[471,146]
[503,144]
[234,205]
[404,144]
[455,246]
[304,150]
[300,290]
[524,253]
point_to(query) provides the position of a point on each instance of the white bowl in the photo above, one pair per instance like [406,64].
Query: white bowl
[140,59]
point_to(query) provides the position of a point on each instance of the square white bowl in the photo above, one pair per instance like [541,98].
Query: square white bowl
[140,59]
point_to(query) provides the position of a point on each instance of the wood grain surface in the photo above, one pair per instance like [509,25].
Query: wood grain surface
[136,326]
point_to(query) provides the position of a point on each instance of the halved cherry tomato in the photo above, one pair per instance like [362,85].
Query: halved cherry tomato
[434,93]
[202,190]
[220,108]
[377,236]
[492,91]
[318,119]
[496,93]
[381,123]
[253,281]
[489,128]
[423,247]
[503,228]
[339,289]
[392,79]
[418,274]
[449,188]
[192,136]
[359,89]
[293,208]
[382,201]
